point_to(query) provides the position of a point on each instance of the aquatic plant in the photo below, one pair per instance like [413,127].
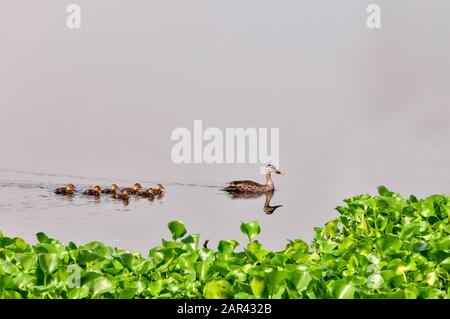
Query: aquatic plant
[383,246]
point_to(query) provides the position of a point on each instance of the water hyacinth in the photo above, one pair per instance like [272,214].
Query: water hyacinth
[383,246]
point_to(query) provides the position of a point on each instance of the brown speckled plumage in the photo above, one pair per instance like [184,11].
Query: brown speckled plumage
[251,186]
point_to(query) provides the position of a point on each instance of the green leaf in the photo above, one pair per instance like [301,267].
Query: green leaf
[203,266]
[128,293]
[177,229]
[300,279]
[26,260]
[342,290]
[257,286]
[155,287]
[48,262]
[99,285]
[275,281]
[375,281]
[217,289]
[332,227]
[7,267]
[226,247]
[250,229]
[409,231]
[191,241]
[383,191]
[20,244]
[10,294]
[42,238]
[78,292]
[389,242]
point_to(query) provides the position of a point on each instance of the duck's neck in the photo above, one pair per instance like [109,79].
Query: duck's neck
[269,196]
[269,182]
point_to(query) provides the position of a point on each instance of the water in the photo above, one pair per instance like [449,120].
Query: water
[356,108]
[28,205]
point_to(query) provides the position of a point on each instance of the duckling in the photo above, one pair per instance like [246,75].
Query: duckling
[148,193]
[124,195]
[96,191]
[68,190]
[250,186]
[135,190]
[111,190]
[159,189]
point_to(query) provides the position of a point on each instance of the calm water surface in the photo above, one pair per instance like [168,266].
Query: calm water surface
[28,205]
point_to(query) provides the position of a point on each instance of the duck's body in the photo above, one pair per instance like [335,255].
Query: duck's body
[133,190]
[124,195]
[61,190]
[112,190]
[158,190]
[246,186]
[148,194]
[250,186]
[96,191]
[68,190]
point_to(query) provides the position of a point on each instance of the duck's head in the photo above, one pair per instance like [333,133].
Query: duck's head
[114,187]
[270,209]
[150,191]
[272,169]
[125,192]
[97,189]
[159,187]
[137,187]
[70,188]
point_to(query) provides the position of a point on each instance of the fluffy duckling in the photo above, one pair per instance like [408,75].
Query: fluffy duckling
[96,191]
[159,189]
[124,195]
[135,190]
[68,190]
[148,193]
[111,190]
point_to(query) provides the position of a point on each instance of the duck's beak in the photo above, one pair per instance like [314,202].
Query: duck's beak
[279,172]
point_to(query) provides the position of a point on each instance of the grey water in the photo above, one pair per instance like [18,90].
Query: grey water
[356,108]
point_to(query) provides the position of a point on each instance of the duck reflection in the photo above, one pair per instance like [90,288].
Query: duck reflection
[267,208]
[125,202]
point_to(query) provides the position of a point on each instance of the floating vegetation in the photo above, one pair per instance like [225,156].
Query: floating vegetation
[383,246]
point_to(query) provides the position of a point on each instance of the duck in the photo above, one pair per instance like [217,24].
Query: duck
[134,190]
[149,193]
[68,190]
[254,187]
[159,189]
[123,195]
[111,190]
[96,191]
